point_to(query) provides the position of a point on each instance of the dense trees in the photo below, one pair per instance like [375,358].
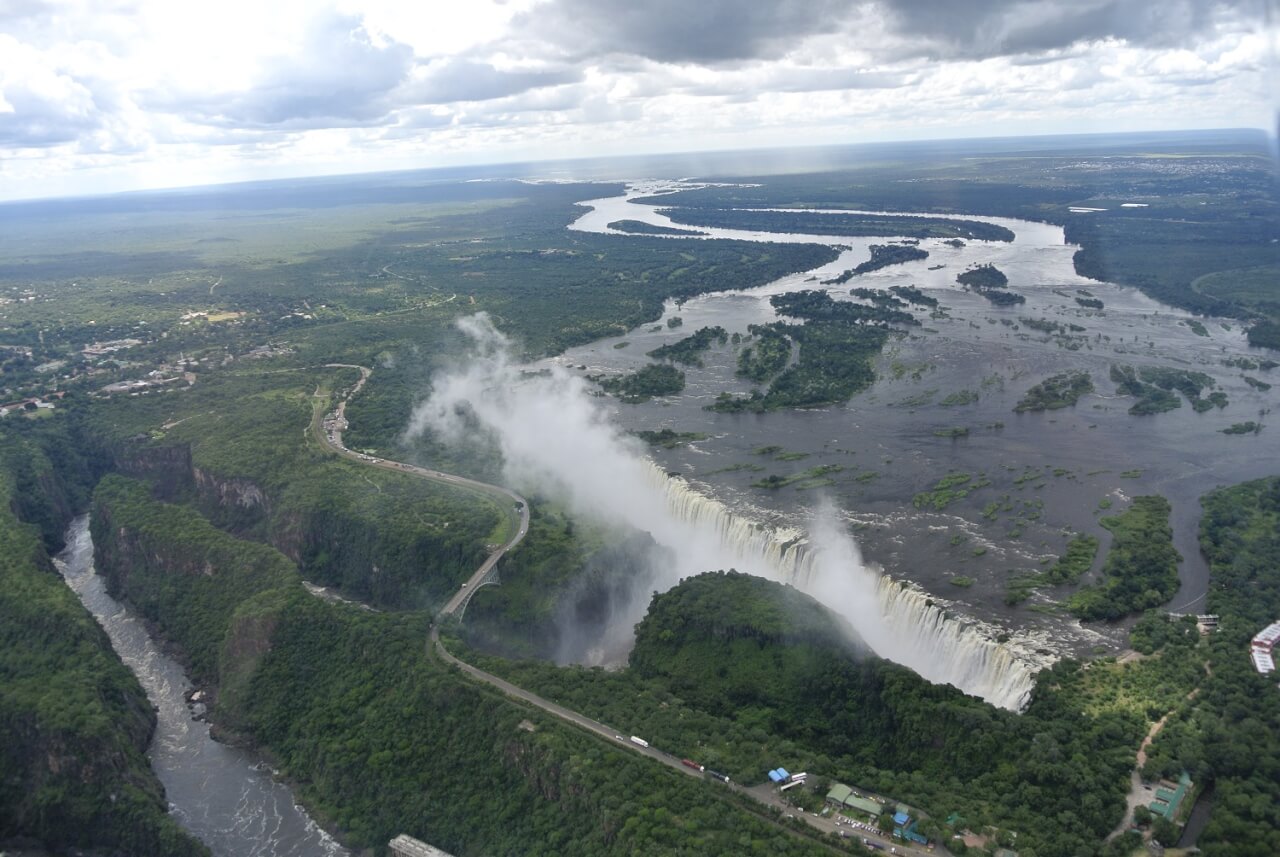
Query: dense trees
[379,737]
[656,379]
[810,223]
[1058,391]
[1141,569]
[743,674]
[689,350]
[74,722]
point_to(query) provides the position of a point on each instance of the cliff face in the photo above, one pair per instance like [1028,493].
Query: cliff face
[74,722]
[325,539]
[178,569]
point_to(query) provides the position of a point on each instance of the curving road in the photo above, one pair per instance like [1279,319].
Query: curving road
[328,431]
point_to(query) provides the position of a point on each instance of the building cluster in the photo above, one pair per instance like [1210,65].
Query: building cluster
[33,403]
[1169,796]
[1262,648]
[905,823]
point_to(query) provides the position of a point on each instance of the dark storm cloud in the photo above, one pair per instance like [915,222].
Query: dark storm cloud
[705,32]
[717,32]
[452,80]
[983,28]
[339,78]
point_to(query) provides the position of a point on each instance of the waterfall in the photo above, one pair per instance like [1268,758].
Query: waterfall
[899,621]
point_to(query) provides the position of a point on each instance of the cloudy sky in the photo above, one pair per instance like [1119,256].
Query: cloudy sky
[106,95]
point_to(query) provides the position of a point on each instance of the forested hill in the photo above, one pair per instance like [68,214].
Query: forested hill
[750,650]
[74,722]
[730,643]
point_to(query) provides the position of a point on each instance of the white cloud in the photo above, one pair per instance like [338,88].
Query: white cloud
[108,94]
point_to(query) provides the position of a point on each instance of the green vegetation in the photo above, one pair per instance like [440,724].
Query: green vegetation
[196,606]
[1265,334]
[1072,565]
[656,379]
[951,431]
[961,581]
[1090,303]
[1261,386]
[1246,427]
[674,322]
[737,673]
[1141,568]
[912,295]
[1230,733]
[1153,386]
[331,691]
[1058,391]
[960,397]
[948,490]
[983,277]
[1197,327]
[999,297]
[814,477]
[689,350]
[670,438]
[74,722]
[882,256]
[639,227]
[836,349]
[1251,287]
[767,356]
[854,225]
[236,449]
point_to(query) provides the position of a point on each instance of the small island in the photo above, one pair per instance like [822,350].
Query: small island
[983,277]
[656,379]
[1058,391]
[639,227]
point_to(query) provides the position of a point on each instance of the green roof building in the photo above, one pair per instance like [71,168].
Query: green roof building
[864,804]
[1168,798]
[839,794]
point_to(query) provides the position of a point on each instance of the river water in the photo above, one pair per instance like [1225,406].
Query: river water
[223,796]
[1051,473]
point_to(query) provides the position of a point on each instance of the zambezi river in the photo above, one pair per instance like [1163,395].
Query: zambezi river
[222,795]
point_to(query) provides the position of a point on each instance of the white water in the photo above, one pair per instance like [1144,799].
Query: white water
[223,796]
[899,622]
[555,438]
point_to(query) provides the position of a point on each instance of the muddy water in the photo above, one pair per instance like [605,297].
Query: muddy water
[1052,473]
[223,796]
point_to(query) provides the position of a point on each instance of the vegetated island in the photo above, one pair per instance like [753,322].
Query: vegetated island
[689,350]
[639,227]
[668,438]
[986,276]
[1153,386]
[1058,391]
[656,379]
[1246,427]
[837,344]
[990,282]
[882,256]
[855,225]
[1141,569]
[912,295]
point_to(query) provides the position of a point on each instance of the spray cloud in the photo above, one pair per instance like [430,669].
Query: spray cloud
[554,438]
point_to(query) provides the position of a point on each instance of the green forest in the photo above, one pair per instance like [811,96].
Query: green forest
[212,501]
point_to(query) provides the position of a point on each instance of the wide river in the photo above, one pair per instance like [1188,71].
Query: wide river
[223,796]
[1051,473]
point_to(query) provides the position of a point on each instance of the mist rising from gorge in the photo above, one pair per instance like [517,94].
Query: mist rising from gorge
[557,441]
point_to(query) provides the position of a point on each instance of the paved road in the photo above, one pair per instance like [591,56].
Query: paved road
[764,795]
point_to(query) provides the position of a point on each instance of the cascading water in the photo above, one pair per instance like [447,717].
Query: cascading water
[900,622]
[554,439]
